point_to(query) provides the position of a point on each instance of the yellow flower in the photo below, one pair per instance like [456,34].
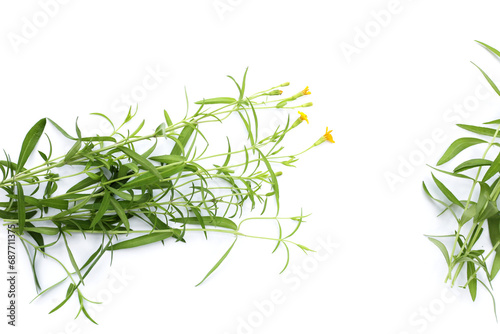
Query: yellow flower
[281,92]
[306,91]
[303,117]
[328,136]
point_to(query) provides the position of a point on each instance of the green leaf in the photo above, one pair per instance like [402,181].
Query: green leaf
[496,266]
[55,203]
[15,215]
[208,220]
[183,138]
[29,143]
[98,138]
[217,100]
[489,48]
[243,85]
[70,292]
[35,235]
[121,194]
[167,118]
[442,248]
[462,176]
[148,179]
[120,212]
[472,163]
[85,183]
[105,117]
[494,168]
[61,130]
[141,161]
[168,159]
[102,209]
[274,180]
[492,84]
[483,200]
[139,128]
[20,207]
[73,151]
[42,230]
[218,262]
[471,272]
[494,232]
[141,241]
[447,192]
[72,259]
[72,210]
[481,130]
[458,146]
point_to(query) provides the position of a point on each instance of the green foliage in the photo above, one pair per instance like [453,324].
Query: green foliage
[134,198]
[473,211]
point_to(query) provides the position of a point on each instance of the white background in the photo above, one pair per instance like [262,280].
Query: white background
[405,82]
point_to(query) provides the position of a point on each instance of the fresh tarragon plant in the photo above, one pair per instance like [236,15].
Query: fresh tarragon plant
[131,196]
[478,210]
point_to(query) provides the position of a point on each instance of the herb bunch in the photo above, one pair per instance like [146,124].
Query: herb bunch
[131,198]
[478,210]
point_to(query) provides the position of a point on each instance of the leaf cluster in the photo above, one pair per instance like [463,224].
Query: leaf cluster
[132,197]
[479,209]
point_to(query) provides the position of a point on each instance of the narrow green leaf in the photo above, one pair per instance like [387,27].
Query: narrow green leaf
[494,168]
[72,259]
[102,209]
[489,48]
[105,117]
[167,118]
[120,212]
[73,151]
[139,128]
[121,194]
[29,143]
[61,130]
[274,180]
[42,230]
[472,163]
[496,266]
[55,203]
[442,248]
[35,235]
[85,183]
[98,138]
[15,215]
[471,269]
[148,179]
[458,146]
[492,84]
[447,192]
[218,262]
[183,138]
[72,210]
[462,176]
[208,220]
[68,295]
[483,199]
[168,159]
[20,207]
[480,130]
[217,100]
[141,161]
[243,85]
[141,241]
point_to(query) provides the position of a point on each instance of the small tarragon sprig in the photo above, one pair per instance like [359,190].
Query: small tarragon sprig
[133,198]
[478,209]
